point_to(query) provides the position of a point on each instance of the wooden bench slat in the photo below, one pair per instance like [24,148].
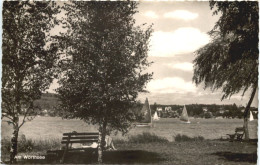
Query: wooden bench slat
[239,129]
[75,149]
[82,133]
[80,141]
[81,137]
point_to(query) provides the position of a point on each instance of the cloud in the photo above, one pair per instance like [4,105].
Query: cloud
[151,14]
[185,66]
[181,14]
[171,85]
[180,41]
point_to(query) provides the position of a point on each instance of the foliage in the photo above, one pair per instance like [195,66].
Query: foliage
[104,69]
[29,56]
[24,144]
[184,138]
[29,145]
[119,141]
[106,58]
[49,101]
[208,115]
[136,109]
[147,137]
[5,146]
[230,60]
[28,53]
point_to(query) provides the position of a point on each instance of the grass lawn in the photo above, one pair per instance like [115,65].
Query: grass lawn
[47,133]
[204,152]
[186,153]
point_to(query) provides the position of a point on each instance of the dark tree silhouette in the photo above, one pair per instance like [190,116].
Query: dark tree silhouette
[230,60]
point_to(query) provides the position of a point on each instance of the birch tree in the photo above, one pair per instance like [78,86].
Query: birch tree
[104,70]
[27,61]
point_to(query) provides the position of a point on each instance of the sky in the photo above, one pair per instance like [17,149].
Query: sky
[180,28]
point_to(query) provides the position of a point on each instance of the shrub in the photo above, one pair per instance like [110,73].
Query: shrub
[208,115]
[119,141]
[25,145]
[5,146]
[184,138]
[47,144]
[147,137]
[28,145]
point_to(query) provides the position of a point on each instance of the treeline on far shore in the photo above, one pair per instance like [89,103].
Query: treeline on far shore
[49,102]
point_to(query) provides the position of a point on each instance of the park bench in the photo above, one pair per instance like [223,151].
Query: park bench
[238,135]
[85,138]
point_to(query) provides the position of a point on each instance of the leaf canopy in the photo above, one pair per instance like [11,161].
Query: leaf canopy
[230,60]
[106,59]
[29,54]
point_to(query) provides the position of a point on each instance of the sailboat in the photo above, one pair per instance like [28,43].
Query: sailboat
[155,116]
[184,116]
[147,118]
[251,118]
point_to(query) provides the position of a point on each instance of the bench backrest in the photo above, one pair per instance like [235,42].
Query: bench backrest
[85,137]
[240,129]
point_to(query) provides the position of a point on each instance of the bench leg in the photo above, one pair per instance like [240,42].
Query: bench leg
[66,150]
[63,156]
[239,137]
[232,137]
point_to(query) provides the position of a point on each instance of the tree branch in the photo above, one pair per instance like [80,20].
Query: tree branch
[25,115]
[7,116]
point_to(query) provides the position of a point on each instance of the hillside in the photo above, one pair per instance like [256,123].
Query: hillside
[47,101]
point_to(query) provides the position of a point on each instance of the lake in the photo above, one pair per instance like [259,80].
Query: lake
[54,127]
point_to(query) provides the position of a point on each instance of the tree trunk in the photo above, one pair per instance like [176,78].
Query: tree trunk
[14,140]
[100,154]
[101,141]
[246,113]
[16,112]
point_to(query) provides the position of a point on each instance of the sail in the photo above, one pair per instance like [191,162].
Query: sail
[251,117]
[146,112]
[155,116]
[184,115]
